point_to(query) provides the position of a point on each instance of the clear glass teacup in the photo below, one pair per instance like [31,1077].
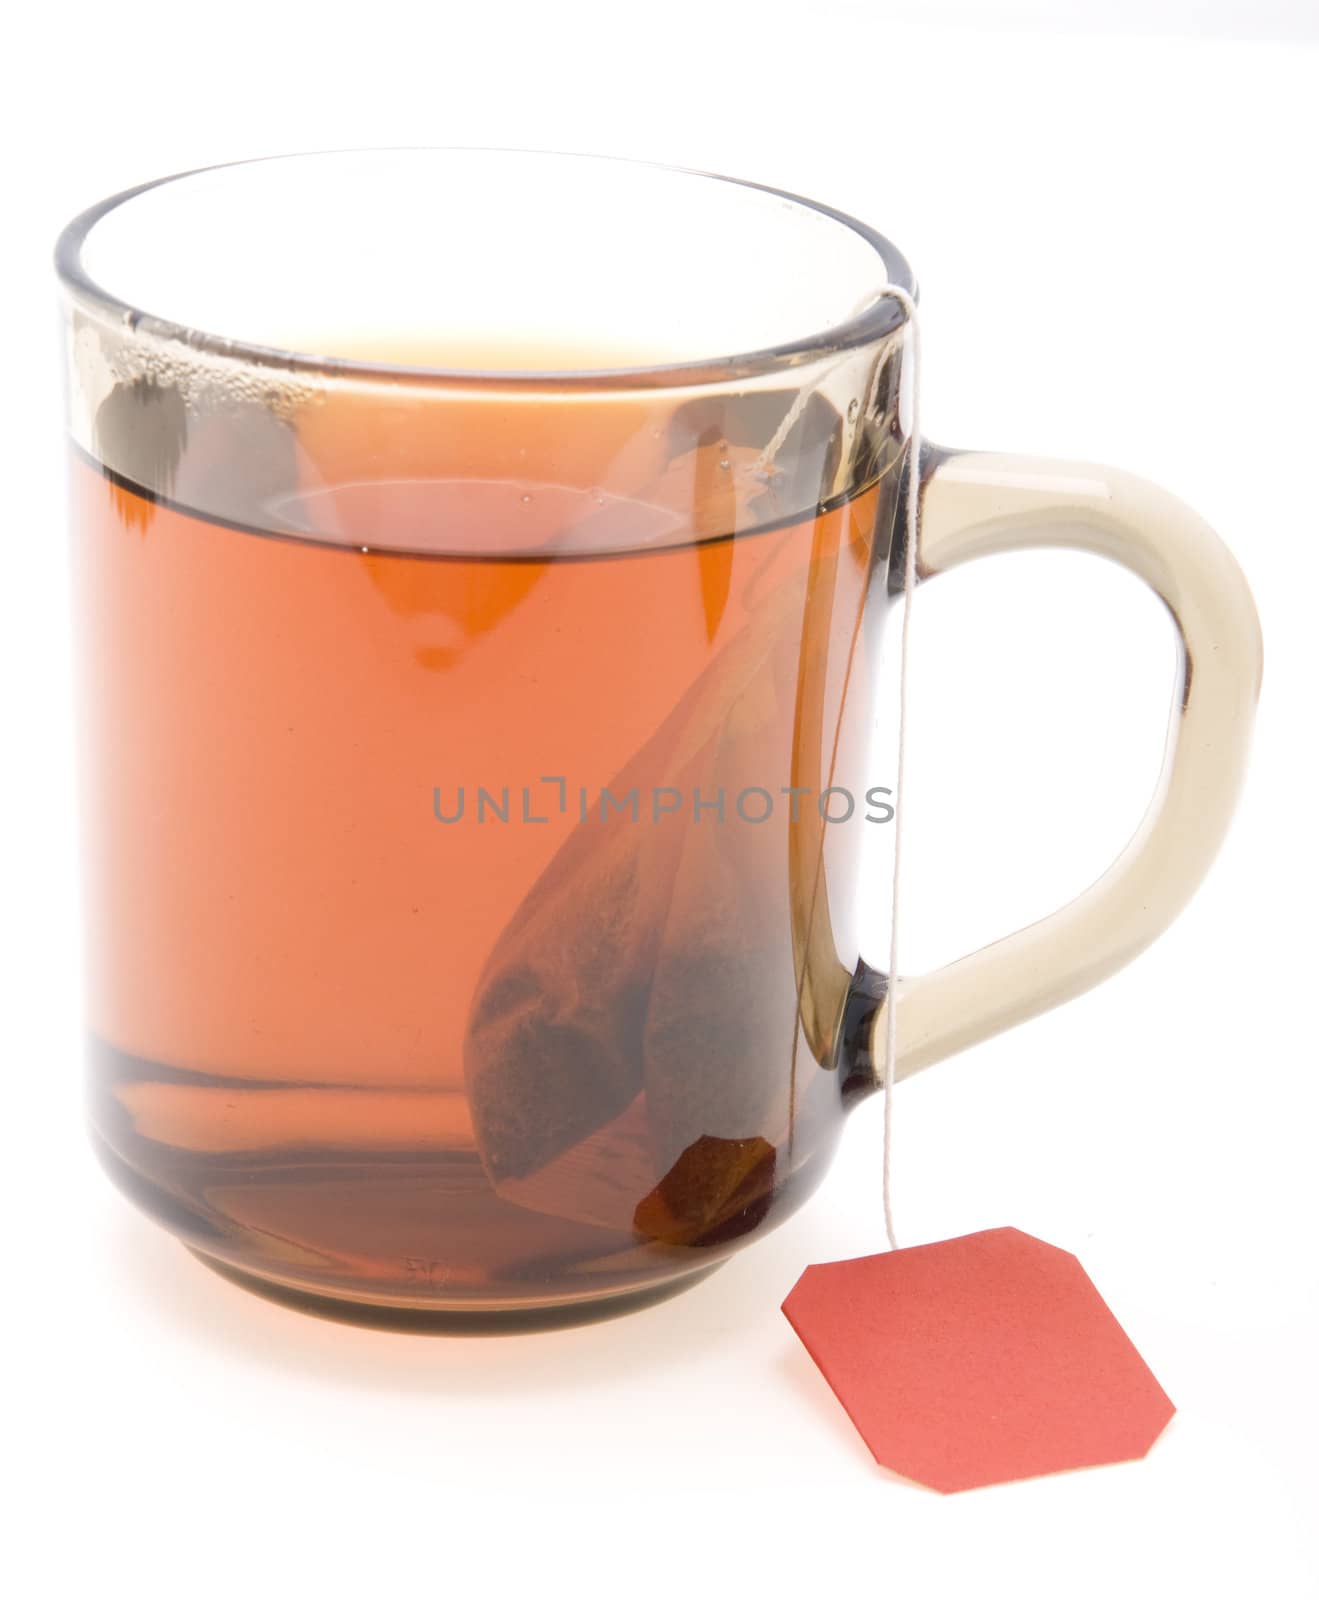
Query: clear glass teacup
[481,564]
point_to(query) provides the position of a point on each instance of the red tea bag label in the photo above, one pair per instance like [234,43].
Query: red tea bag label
[978,1360]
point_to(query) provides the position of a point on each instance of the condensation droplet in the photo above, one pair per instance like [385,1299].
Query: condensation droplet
[526,499]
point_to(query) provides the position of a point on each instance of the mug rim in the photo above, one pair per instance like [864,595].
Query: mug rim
[879,319]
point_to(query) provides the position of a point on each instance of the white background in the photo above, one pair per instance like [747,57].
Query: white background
[1110,210]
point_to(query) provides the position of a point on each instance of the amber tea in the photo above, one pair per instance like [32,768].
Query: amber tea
[442,905]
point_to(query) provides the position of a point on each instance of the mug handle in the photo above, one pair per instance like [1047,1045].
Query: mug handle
[979,504]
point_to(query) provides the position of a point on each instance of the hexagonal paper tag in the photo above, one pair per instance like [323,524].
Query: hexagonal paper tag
[978,1360]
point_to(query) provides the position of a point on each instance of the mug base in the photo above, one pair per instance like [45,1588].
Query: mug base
[403,1316]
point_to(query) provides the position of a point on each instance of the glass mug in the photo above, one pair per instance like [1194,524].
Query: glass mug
[477,665]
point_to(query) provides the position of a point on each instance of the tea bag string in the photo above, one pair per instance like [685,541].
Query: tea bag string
[764,465]
[899,808]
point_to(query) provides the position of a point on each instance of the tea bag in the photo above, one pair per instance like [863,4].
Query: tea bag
[625,1053]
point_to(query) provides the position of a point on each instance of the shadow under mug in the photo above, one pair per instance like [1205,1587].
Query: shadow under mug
[478,674]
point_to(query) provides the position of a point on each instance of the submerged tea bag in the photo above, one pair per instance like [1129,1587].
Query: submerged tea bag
[618,1052]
